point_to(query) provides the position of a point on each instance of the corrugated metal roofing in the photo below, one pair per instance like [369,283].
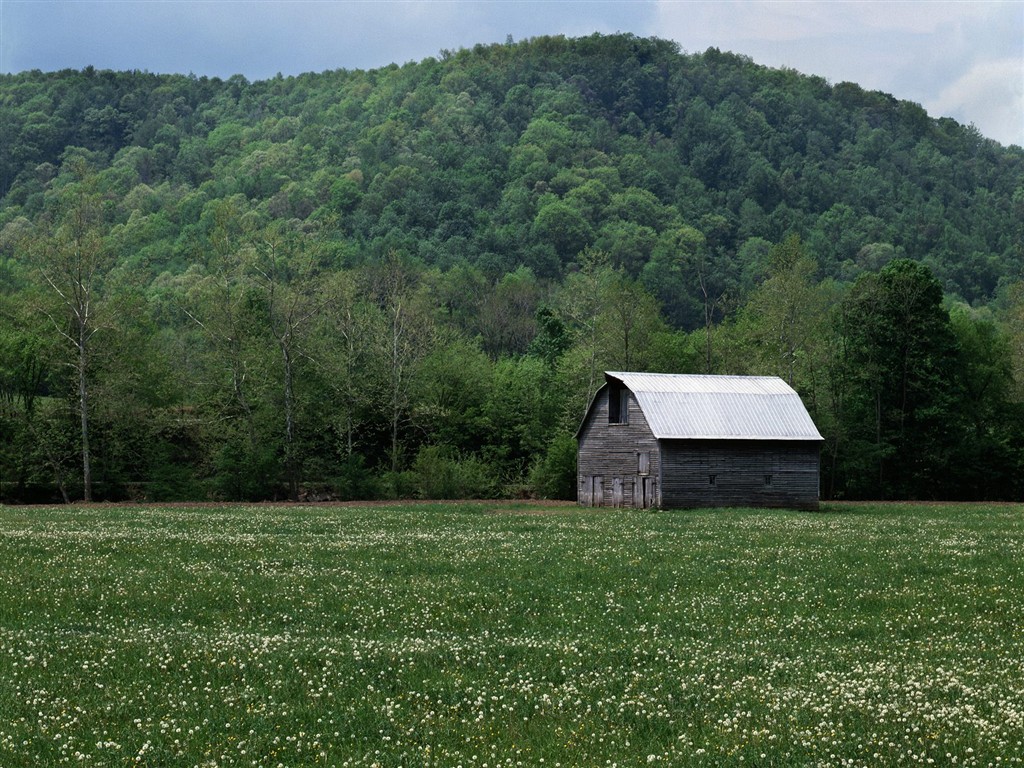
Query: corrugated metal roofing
[688,406]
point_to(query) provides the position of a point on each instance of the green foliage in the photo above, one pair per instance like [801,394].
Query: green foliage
[171,475]
[554,475]
[521,408]
[901,418]
[987,460]
[783,320]
[245,472]
[352,480]
[532,152]
[442,474]
[324,276]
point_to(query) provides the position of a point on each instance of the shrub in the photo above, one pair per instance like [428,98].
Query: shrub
[554,475]
[442,474]
[244,472]
[354,481]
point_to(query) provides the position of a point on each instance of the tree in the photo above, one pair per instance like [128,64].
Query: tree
[72,259]
[23,372]
[506,314]
[1013,324]
[627,243]
[900,356]
[607,321]
[681,263]
[521,410]
[553,476]
[452,389]
[283,266]
[349,324]
[986,465]
[628,323]
[581,302]
[217,298]
[784,313]
[564,227]
[405,338]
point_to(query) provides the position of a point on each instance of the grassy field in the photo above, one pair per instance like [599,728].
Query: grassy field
[495,635]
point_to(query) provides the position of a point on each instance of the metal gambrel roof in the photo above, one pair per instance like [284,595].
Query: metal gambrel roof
[687,406]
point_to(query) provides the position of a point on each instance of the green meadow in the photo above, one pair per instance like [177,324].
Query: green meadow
[483,634]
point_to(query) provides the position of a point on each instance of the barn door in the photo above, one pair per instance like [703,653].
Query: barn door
[643,486]
[584,492]
[597,491]
[617,492]
[645,492]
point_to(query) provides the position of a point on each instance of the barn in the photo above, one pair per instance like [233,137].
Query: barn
[681,440]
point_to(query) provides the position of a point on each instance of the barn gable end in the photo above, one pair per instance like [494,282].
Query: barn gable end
[620,453]
[692,441]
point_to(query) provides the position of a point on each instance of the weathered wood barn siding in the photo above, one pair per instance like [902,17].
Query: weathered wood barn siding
[730,473]
[696,441]
[611,454]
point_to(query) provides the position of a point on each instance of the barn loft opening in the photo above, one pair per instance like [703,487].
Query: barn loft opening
[618,404]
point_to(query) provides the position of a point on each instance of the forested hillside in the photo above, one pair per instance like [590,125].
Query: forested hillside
[408,280]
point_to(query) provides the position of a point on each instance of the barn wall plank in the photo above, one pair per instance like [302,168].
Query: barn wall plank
[700,473]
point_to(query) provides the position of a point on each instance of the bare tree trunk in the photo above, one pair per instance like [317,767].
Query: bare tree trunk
[878,442]
[83,407]
[396,381]
[289,425]
[709,316]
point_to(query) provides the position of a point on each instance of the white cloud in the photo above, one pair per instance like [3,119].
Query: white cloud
[836,40]
[955,58]
[790,20]
[991,95]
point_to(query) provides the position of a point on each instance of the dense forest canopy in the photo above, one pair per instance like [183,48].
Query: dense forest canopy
[407,280]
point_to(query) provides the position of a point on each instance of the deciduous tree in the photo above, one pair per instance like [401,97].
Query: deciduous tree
[283,265]
[900,358]
[72,258]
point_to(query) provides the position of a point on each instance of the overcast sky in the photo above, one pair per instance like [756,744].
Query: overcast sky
[963,59]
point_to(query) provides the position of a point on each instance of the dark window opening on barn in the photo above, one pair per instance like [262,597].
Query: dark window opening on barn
[618,404]
[767,480]
[644,463]
[711,479]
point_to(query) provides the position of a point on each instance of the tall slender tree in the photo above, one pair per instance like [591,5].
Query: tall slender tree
[283,266]
[784,314]
[581,303]
[217,297]
[406,336]
[69,251]
[344,351]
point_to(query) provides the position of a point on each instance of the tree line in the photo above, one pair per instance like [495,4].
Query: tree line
[268,371]
[408,281]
